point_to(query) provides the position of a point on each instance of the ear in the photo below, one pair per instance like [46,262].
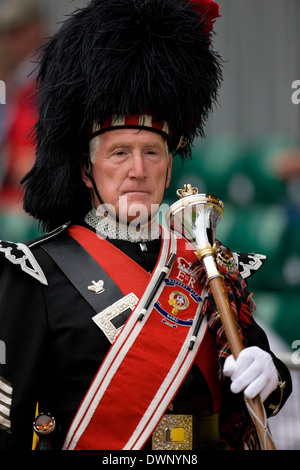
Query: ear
[169,170]
[85,168]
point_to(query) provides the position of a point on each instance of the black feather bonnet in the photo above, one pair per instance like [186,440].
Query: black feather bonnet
[117,57]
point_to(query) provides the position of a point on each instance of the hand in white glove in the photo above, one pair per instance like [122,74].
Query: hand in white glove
[253,371]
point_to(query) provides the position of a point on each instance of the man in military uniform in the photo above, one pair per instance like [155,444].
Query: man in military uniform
[97,315]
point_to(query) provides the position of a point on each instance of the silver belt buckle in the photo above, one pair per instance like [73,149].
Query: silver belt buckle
[173,432]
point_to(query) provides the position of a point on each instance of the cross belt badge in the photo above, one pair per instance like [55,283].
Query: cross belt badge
[97,287]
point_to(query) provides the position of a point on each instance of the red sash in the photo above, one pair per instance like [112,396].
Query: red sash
[150,358]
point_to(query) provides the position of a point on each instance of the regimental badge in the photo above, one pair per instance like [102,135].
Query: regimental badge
[178,301]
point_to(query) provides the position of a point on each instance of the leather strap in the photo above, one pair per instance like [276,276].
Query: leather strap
[81,269]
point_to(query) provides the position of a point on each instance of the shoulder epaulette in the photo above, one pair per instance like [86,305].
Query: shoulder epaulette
[21,254]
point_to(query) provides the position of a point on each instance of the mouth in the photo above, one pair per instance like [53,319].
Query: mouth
[134,192]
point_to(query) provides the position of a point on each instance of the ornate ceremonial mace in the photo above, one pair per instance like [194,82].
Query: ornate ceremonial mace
[196,216]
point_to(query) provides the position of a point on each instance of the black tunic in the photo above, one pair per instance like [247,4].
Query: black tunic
[54,349]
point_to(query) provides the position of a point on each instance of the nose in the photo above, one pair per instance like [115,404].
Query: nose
[137,166]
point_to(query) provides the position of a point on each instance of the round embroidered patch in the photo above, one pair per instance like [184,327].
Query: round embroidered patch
[178,301]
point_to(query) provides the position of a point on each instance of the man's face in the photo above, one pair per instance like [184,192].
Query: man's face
[131,169]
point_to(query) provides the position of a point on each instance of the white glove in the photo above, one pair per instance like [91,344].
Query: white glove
[253,371]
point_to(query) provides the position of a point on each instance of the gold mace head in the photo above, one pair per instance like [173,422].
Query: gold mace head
[186,191]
